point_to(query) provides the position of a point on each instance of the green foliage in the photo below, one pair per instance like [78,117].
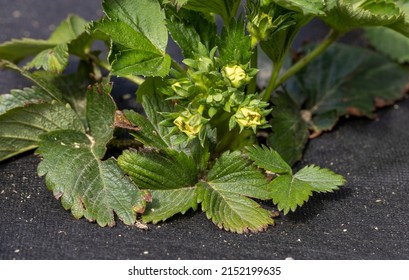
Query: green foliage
[74,170]
[169,176]
[289,191]
[389,42]
[208,138]
[347,80]
[52,54]
[22,126]
[289,129]
[138,38]
[268,159]
[225,193]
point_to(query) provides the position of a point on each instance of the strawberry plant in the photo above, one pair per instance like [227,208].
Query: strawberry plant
[209,136]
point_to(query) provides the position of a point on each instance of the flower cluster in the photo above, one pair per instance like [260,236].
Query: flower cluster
[266,19]
[208,92]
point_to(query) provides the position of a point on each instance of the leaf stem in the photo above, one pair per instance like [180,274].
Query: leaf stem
[135,79]
[253,64]
[177,66]
[276,81]
[331,38]
[272,82]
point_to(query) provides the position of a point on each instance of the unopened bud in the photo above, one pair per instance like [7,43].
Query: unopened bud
[236,74]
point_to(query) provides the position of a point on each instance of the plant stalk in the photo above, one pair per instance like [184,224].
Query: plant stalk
[135,79]
[253,64]
[272,82]
[177,66]
[276,81]
[331,38]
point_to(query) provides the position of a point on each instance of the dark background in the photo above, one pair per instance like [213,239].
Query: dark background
[366,219]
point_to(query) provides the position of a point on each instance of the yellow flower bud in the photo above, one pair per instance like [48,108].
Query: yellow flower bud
[190,125]
[248,118]
[236,74]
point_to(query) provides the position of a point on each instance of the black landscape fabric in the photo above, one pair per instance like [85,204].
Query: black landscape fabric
[366,219]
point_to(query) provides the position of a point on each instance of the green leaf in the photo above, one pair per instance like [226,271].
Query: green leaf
[144,16]
[402,26]
[51,54]
[133,52]
[305,7]
[148,134]
[178,3]
[167,203]
[320,179]
[225,195]
[139,35]
[290,130]
[346,14]
[285,25]
[227,9]
[69,29]
[53,60]
[268,159]
[87,186]
[64,89]
[153,133]
[21,98]
[159,170]
[74,171]
[18,49]
[389,43]
[41,79]
[184,34]
[22,126]
[347,80]
[170,176]
[289,192]
[234,45]
[100,116]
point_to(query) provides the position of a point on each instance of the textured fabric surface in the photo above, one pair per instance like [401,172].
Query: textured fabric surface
[366,219]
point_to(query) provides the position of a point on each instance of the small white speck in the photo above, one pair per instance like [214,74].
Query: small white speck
[16,14]
[126,96]
[17,251]
[396,106]
[146,252]
[152,209]
[289,259]
[376,228]
[344,230]
[378,200]
[298,240]
[35,24]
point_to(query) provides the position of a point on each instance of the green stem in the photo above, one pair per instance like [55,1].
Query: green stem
[331,38]
[272,82]
[135,79]
[276,81]
[253,64]
[177,66]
